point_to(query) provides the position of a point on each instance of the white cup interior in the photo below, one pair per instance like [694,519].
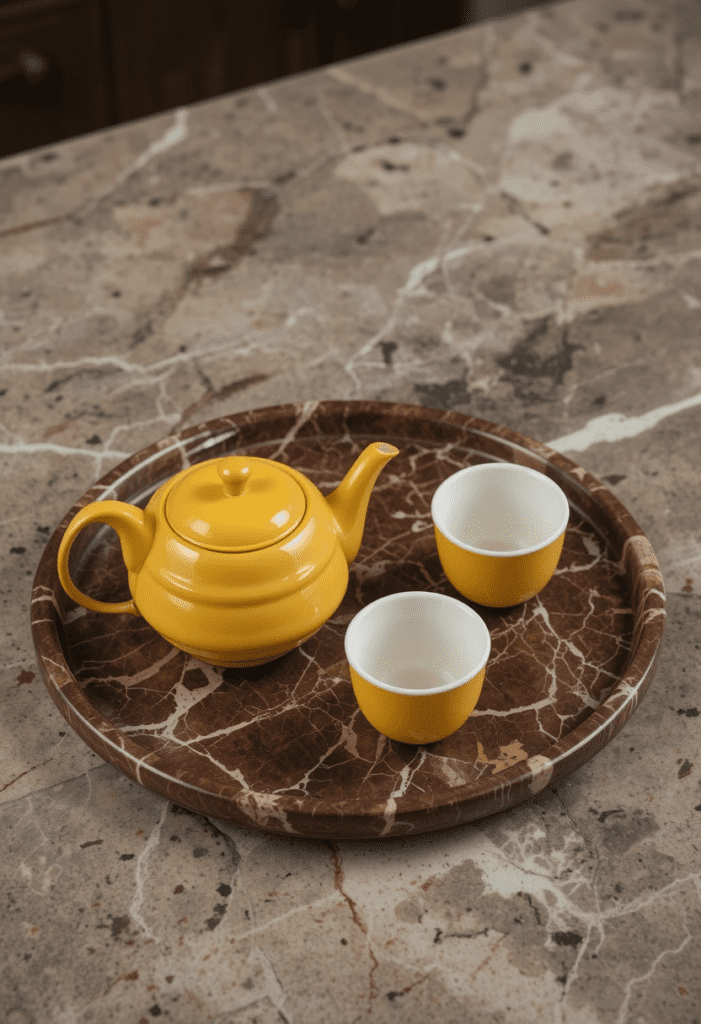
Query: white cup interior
[500,508]
[417,643]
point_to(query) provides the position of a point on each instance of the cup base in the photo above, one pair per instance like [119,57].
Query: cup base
[494,582]
[417,719]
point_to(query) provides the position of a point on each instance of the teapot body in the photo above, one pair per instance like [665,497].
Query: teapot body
[235,560]
[245,608]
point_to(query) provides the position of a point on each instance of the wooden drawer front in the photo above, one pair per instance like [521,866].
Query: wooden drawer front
[169,52]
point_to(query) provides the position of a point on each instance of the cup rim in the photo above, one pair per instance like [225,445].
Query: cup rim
[411,691]
[509,467]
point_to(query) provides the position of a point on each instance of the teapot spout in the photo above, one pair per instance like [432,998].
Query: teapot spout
[349,502]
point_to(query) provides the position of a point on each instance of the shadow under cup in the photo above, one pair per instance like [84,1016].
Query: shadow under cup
[499,530]
[417,663]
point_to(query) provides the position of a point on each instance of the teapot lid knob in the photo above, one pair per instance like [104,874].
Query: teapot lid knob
[235,474]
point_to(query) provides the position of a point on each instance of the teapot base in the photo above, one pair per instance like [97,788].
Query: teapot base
[243,659]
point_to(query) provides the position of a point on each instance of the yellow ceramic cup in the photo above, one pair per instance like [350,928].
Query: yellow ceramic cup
[499,531]
[417,663]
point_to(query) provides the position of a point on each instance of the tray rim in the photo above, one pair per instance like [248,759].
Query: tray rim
[553,762]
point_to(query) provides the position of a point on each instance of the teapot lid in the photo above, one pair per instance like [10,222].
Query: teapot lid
[235,504]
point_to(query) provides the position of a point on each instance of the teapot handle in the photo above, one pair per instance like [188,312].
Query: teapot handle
[135,535]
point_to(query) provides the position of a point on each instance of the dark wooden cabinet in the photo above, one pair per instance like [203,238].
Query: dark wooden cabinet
[53,72]
[167,54]
[71,66]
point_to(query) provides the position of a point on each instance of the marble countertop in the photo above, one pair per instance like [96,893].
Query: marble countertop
[505,222]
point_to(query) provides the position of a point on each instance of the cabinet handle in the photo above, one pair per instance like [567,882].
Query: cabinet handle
[30,64]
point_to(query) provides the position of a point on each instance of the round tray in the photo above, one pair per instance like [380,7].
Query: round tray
[283,747]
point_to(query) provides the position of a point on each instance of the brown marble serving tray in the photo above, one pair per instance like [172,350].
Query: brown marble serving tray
[283,747]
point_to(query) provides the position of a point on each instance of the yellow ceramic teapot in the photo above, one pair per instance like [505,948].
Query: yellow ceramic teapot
[236,560]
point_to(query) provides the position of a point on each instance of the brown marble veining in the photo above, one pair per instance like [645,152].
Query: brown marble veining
[284,747]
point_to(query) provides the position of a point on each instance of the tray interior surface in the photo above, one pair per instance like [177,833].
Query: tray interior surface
[288,736]
[292,722]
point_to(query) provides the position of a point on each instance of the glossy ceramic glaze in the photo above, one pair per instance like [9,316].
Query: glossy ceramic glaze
[499,531]
[236,560]
[417,664]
